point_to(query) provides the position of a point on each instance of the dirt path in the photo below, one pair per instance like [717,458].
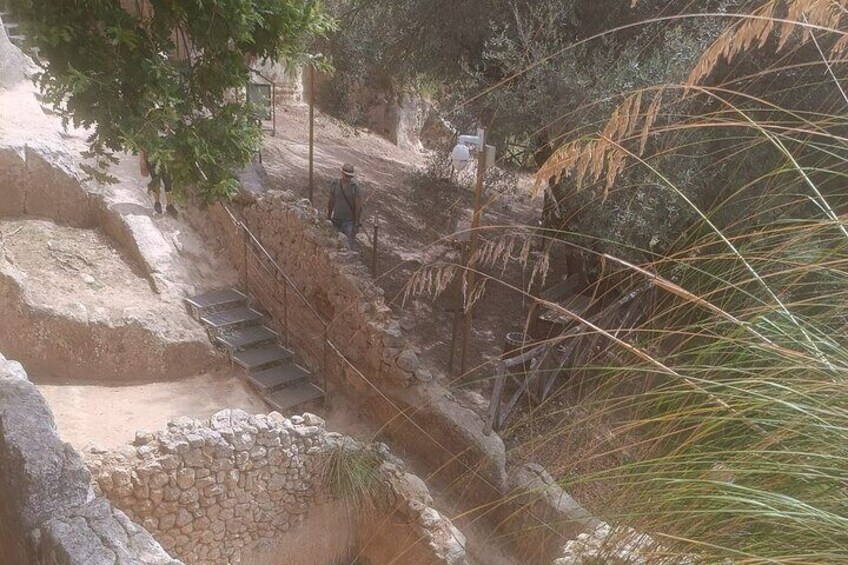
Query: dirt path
[417,225]
[110,416]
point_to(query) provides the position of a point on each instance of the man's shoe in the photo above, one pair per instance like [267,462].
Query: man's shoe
[157,207]
[172,211]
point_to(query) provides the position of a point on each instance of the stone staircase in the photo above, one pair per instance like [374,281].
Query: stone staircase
[240,331]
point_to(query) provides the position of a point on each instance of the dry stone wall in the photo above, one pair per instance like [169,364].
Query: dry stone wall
[213,491]
[49,514]
[371,360]
[390,380]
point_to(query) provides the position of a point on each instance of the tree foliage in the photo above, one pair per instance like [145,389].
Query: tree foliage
[164,76]
[541,73]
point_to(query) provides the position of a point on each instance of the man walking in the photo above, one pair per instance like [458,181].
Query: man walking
[345,206]
[159,178]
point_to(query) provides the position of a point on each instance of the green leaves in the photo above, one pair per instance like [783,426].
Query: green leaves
[166,76]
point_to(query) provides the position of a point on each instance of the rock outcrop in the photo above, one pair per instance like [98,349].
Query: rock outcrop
[12,62]
[41,177]
[49,513]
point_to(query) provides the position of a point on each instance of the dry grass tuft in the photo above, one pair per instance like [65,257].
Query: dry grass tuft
[599,158]
[801,19]
[493,254]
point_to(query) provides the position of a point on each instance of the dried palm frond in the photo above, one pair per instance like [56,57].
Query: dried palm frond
[431,280]
[471,298]
[802,17]
[602,157]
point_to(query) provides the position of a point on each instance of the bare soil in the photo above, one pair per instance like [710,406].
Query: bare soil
[72,270]
[109,416]
[67,265]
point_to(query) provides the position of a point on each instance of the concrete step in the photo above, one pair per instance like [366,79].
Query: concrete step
[262,357]
[215,301]
[279,377]
[245,338]
[285,399]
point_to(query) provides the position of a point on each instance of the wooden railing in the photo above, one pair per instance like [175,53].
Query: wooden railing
[533,357]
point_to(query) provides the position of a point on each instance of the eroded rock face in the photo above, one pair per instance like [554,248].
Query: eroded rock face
[622,546]
[153,338]
[49,513]
[12,61]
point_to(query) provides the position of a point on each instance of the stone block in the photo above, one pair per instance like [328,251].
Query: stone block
[185,478]
[183,518]
[190,496]
[167,521]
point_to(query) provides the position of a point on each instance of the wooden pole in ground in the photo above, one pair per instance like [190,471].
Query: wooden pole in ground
[312,134]
[457,315]
[470,275]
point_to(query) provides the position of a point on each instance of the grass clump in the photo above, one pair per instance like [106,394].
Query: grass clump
[354,475]
[718,424]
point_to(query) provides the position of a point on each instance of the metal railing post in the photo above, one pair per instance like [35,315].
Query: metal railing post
[286,311]
[243,230]
[312,134]
[374,249]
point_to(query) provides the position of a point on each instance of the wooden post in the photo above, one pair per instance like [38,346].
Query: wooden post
[273,109]
[312,134]
[471,277]
[457,316]
[493,420]
[324,368]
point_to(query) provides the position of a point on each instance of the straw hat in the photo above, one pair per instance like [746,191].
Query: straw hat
[348,170]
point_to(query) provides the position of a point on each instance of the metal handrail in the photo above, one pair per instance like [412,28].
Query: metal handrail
[282,273]
[252,242]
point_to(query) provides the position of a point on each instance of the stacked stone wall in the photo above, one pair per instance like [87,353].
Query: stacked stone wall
[218,491]
[390,379]
[370,358]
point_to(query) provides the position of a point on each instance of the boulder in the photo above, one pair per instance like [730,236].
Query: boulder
[49,512]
